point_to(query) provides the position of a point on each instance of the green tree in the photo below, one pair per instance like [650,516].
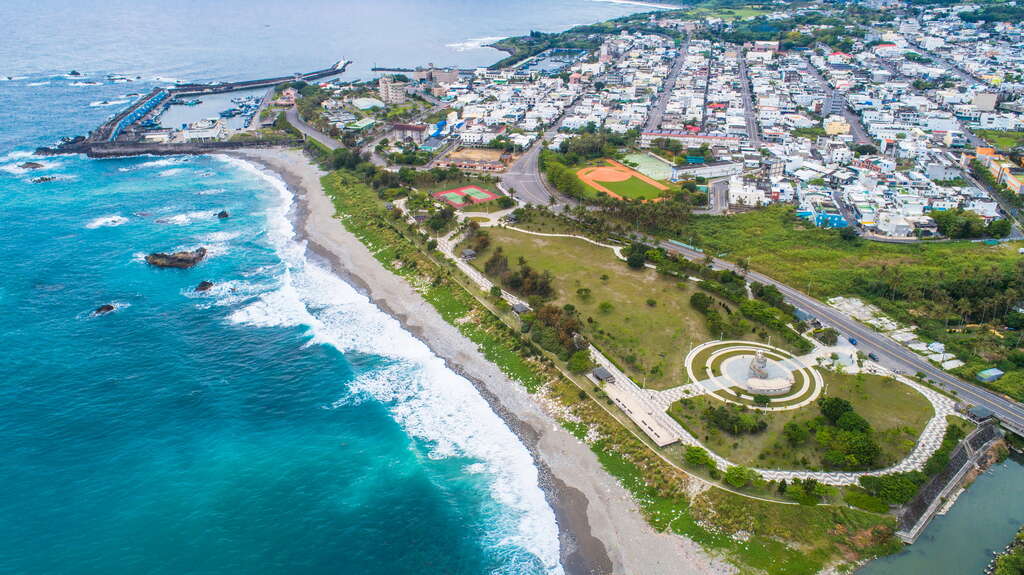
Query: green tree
[579,362]
[795,433]
[739,476]
[833,408]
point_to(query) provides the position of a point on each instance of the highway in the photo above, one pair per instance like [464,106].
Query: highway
[890,353]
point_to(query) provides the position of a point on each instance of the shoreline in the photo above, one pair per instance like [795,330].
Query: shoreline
[600,527]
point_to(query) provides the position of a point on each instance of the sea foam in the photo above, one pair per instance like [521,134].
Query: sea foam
[427,399]
[107,222]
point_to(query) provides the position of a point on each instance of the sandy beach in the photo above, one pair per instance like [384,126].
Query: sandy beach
[601,529]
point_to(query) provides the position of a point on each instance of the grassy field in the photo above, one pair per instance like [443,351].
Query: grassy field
[648,341]
[896,411]
[1001,140]
[633,188]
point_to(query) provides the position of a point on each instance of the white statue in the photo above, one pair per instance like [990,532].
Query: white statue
[759,366]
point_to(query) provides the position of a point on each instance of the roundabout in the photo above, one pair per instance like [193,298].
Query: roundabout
[752,374]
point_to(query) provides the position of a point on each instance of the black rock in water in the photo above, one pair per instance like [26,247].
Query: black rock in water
[177,259]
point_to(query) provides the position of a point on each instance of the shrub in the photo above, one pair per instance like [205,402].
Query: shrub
[579,362]
[739,476]
[863,500]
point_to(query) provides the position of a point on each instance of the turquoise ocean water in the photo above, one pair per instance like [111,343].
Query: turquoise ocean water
[277,423]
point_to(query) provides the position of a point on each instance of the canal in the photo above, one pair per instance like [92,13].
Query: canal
[983,520]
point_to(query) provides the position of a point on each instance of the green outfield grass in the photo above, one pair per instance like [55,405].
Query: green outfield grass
[633,188]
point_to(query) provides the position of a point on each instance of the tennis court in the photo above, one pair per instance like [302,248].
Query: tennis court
[466,195]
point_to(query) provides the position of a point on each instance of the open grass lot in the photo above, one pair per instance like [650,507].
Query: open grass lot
[897,413]
[633,188]
[820,263]
[1002,140]
[781,245]
[653,337]
[648,342]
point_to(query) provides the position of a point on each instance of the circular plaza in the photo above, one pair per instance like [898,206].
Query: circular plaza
[757,375]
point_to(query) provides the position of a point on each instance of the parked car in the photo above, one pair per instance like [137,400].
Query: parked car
[852,341]
[873,356]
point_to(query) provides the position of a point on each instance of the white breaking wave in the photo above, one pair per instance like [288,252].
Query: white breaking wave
[16,169]
[473,43]
[16,155]
[42,83]
[228,293]
[211,192]
[81,84]
[171,172]
[187,218]
[425,397]
[107,222]
[168,80]
[161,163]
[102,103]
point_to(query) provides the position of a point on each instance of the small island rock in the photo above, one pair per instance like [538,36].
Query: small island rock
[43,179]
[222,214]
[30,166]
[105,308]
[204,285]
[177,259]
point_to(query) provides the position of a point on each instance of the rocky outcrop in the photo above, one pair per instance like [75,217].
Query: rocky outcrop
[177,259]
[223,214]
[105,308]
[204,285]
[30,166]
[43,179]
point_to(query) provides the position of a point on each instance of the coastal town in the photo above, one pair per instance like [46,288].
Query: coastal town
[768,259]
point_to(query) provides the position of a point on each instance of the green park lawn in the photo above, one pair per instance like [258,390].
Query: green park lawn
[1002,140]
[633,188]
[648,342]
[897,413]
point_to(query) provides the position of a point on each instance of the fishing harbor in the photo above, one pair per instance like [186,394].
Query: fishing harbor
[188,118]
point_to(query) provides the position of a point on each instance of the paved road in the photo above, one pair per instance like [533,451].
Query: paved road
[292,115]
[718,197]
[658,110]
[525,179]
[860,135]
[891,354]
[753,130]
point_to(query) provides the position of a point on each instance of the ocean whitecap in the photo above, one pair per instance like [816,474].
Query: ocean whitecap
[107,222]
[103,103]
[186,218]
